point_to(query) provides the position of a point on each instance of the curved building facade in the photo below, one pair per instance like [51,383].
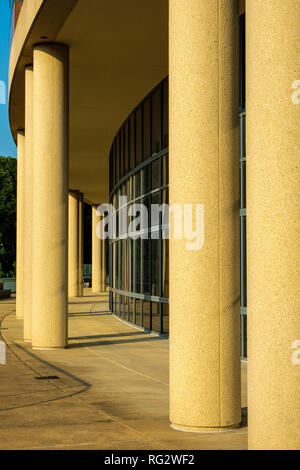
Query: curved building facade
[139,261]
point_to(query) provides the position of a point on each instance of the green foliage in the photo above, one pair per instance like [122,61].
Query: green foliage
[8,190]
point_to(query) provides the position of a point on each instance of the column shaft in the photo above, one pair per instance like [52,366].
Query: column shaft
[96,253]
[28,202]
[103,266]
[273,223]
[80,243]
[204,169]
[73,252]
[50,232]
[20,223]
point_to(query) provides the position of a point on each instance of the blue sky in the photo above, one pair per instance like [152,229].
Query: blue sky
[7,145]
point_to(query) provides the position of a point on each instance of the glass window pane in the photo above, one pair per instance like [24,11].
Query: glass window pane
[138,309]
[111,170]
[147,315]
[145,244]
[121,153]
[132,244]
[141,266]
[126,308]
[165,170]
[137,184]
[117,160]
[120,264]
[166,114]
[155,198]
[113,166]
[147,130]
[165,319]
[137,265]
[123,265]
[244,136]
[244,320]
[126,147]
[155,317]
[138,137]
[130,191]
[165,268]
[129,265]
[116,265]
[146,201]
[156,121]
[132,141]
[145,175]
[117,304]
[155,266]
[131,303]
[156,174]
[243,263]
[243,187]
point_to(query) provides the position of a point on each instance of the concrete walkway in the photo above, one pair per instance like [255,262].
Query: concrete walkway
[108,390]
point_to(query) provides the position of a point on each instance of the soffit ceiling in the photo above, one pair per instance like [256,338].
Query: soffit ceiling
[118,53]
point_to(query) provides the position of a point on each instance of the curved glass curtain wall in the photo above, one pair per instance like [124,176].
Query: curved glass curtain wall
[139,269]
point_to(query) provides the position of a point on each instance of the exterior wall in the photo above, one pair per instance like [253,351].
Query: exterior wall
[15,14]
[139,172]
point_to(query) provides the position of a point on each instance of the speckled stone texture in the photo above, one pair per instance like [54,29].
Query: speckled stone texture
[28,202]
[50,209]
[96,253]
[20,223]
[204,159]
[273,222]
[74,250]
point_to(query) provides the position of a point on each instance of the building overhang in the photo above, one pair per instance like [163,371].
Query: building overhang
[118,53]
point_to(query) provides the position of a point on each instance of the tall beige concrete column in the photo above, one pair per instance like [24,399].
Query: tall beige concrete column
[20,223]
[103,266]
[75,255]
[273,223]
[96,253]
[50,221]
[80,243]
[73,252]
[204,169]
[28,202]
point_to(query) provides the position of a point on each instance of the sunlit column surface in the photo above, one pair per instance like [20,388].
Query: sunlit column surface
[73,251]
[204,158]
[96,253]
[103,266]
[273,223]
[80,242]
[20,223]
[50,230]
[28,202]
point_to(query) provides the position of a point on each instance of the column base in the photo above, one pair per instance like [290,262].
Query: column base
[48,349]
[183,428]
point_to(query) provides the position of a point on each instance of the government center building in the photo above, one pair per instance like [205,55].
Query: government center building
[168,102]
